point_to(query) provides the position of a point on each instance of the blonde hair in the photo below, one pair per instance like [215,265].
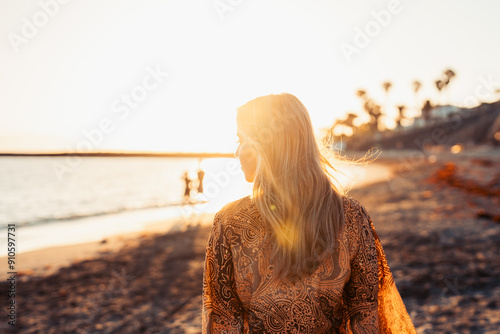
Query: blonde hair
[293,188]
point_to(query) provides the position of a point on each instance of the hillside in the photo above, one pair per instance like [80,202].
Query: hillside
[467,127]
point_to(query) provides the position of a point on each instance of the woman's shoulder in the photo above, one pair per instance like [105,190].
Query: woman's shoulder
[354,211]
[350,203]
[241,209]
[358,226]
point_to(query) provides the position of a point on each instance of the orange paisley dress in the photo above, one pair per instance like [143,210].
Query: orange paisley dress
[352,291]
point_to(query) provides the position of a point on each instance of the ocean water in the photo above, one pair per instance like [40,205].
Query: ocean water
[38,190]
[63,200]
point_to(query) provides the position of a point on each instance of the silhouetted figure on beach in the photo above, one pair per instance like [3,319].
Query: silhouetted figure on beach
[187,190]
[201,175]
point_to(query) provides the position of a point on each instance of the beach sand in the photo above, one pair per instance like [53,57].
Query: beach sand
[438,226]
[46,261]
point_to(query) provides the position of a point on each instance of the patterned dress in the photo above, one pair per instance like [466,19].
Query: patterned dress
[352,291]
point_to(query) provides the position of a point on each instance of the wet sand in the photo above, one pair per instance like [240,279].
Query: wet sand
[437,225]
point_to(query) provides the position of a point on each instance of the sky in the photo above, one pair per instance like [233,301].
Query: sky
[167,76]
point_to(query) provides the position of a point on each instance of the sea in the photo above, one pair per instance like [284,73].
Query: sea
[59,200]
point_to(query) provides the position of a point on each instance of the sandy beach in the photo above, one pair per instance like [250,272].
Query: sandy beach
[439,223]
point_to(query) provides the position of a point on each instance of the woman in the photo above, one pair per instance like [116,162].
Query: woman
[297,256]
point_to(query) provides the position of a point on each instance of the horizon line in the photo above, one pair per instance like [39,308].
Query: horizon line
[130,154]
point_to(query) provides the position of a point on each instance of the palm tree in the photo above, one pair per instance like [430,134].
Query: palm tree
[387,87]
[448,75]
[349,121]
[440,85]
[401,116]
[361,93]
[375,112]
[371,108]
[416,88]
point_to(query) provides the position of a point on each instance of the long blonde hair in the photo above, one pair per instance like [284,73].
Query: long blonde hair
[293,188]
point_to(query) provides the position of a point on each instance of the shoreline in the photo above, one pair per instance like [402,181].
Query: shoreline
[74,231]
[69,232]
[48,260]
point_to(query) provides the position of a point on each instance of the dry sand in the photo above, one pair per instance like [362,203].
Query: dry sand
[438,229]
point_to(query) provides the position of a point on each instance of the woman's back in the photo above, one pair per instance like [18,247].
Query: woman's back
[241,295]
[298,256]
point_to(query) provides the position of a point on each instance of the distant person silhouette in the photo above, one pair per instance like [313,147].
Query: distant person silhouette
[201,175]
[187,190]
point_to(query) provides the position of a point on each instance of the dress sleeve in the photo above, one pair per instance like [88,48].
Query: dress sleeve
[361,293]
[392,314]
[373,301]
[222,310]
